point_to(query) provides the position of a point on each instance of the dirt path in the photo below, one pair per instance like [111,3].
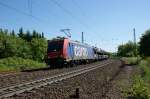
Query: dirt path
[120,83]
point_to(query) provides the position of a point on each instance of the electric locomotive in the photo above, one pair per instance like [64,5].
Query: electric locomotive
[64,51]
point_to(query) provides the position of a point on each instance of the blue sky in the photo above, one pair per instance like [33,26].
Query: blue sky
[105,23]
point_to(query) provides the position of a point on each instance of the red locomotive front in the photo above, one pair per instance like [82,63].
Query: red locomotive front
[55,49]
[56,52]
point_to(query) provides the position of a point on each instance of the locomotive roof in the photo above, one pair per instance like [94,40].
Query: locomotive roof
[77,42]
[63,38]
[56,39]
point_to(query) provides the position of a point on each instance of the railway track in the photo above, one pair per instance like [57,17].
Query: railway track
[24,77]
[9,74]
[20,88]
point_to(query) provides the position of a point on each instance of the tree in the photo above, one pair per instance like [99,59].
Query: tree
[20,34]
[6,31]
[34,34]
[127,49]
[8,45]
[28,36]
[2,42]
[22,45]
[1,30]
[38,35]
[23,49]
[13,33]
[38,48]
[145,44]
[42,35]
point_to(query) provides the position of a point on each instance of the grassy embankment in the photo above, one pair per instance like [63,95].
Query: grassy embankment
[140,88]
[14,64]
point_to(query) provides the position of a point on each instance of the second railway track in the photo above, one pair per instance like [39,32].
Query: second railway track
[20,88]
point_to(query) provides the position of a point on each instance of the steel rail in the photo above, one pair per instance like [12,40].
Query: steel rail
[12,90]
[9,74]
[37,79]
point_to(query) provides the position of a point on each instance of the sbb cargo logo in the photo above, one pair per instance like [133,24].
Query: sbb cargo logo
[80,51]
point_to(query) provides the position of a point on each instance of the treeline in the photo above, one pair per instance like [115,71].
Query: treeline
[128,50]
[142,48]
[27,45]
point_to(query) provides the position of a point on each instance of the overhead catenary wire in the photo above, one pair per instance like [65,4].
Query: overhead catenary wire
[30,6]
[30,3]
[89,28]
[79,7]
[19,11]
[69,13]
[38,19]
[23,13]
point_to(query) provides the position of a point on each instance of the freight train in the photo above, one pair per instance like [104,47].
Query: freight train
[63,52]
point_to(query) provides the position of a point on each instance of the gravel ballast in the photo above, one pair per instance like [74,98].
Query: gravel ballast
[94,84]
[22,77]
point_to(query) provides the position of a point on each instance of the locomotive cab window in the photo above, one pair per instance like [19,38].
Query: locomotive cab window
[53,47]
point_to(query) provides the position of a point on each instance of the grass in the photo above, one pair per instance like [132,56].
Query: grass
[145,67]
[140,88]
[18,64]
[141,82]
[131,60]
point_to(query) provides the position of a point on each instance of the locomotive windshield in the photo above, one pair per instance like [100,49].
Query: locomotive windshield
[54,47]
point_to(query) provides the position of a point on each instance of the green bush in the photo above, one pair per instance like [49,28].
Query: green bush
[18,64]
